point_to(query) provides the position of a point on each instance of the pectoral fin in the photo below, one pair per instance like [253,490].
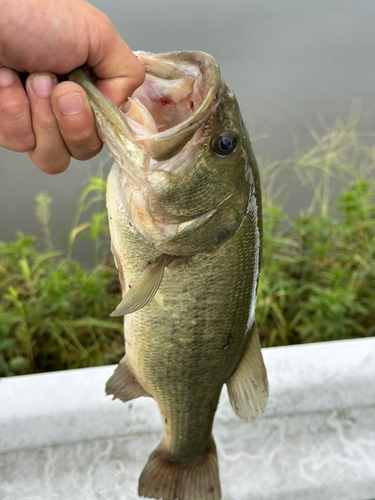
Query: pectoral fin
[144,289]
[248,386]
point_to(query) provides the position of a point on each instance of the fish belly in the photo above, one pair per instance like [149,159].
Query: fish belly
[187,342]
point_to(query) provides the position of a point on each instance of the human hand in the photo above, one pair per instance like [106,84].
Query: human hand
[53,121]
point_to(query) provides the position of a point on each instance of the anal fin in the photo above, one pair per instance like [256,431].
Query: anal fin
[123,384]
[248,386]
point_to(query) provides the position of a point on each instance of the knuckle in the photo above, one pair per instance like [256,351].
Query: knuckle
[46,126]
[16,132]
[14,108]
[25,145]
[139,74]
[20,143]
[105,22]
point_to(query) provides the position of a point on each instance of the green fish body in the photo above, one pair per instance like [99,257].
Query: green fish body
[184,208]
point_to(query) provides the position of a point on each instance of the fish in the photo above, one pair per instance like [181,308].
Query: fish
[185,219]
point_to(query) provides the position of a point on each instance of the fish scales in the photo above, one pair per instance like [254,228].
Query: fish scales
[186,233]
[163,347]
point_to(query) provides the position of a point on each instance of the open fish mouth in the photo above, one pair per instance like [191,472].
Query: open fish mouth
[175,93]
[179,92]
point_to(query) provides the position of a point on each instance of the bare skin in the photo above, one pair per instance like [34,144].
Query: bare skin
[53,121]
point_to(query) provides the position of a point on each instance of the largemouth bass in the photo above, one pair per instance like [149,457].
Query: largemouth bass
[184,208]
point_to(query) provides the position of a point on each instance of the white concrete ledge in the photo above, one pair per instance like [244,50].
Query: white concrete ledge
[316,439]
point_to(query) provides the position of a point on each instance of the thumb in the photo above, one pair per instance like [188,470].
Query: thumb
[118,70]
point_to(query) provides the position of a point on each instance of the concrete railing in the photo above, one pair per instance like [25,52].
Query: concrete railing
[61,438]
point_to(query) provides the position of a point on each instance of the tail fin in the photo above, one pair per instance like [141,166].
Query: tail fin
[166,479]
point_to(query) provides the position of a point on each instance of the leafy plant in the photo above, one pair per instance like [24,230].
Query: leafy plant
[318,273]
[54,312]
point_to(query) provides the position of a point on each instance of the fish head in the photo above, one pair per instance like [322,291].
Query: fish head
[188,173]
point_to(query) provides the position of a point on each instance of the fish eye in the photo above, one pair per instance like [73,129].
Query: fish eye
[225,143]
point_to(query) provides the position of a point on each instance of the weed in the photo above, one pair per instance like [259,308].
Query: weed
[318,272]
[54,312]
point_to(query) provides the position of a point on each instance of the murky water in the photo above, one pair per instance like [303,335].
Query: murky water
[285,60]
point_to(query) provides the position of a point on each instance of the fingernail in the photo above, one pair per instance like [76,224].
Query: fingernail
[43,85]
[7,77]
[71,104]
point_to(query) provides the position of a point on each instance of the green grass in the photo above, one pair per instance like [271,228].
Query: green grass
[317,281]
[54,311]
[318,277]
